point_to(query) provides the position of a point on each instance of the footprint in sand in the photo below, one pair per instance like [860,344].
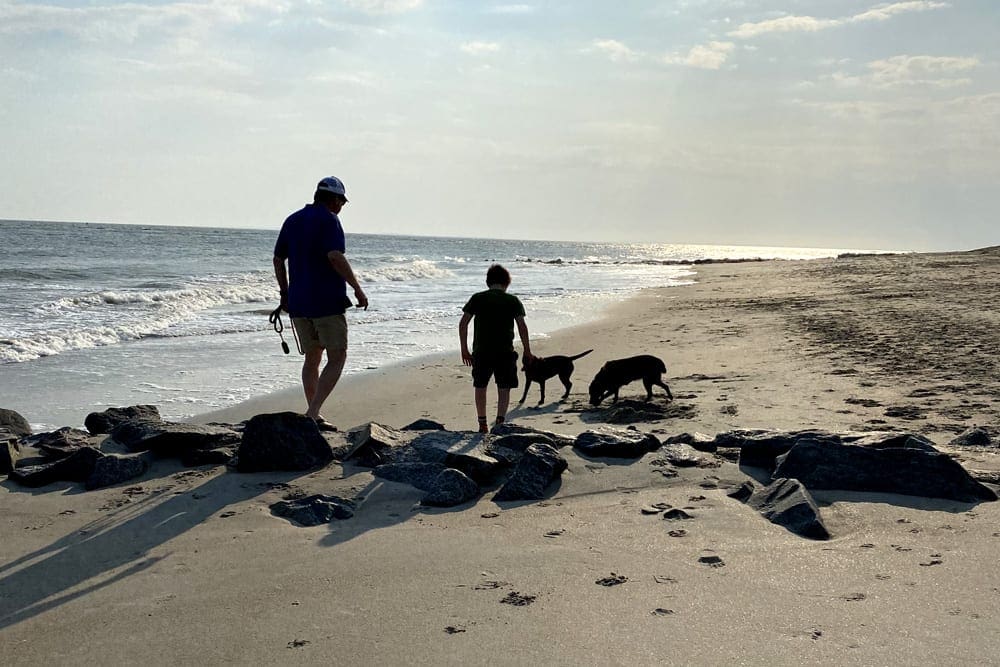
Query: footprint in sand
[711,560]
[660,611]
[676,515]
[680,532]
[613,580]
[454,629]
[518,600]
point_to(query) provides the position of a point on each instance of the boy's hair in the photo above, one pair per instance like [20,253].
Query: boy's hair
[497,275]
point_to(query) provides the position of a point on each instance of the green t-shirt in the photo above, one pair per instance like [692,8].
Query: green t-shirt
[493,327]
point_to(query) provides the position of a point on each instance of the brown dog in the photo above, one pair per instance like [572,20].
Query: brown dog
[541,369]
[619,372]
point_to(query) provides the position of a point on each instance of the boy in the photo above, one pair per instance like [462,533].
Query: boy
[493,354]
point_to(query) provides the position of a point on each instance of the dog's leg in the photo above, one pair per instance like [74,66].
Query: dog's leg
[663,384]
[566,383]
[541,385]
[615,399]
[648,384]
[527,383]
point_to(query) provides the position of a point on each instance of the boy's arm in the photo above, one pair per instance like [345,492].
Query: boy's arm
[463,336]
[522,330]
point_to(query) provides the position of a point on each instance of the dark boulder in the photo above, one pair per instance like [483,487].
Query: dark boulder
[760,448]
[423,425]
[538,468]
[112,469]
[9,454]
[14,422]
[785,502]
[973,437]
[508,428]
[106,421]
[314,510]
[463,451]
[681,455]
[219,456]
[282,441]
[615,443]
[418,474]
[884,440]
[77,467]
[171,439]
[451,487]
[59,443]
[907,471]
[699,441]
[373,444]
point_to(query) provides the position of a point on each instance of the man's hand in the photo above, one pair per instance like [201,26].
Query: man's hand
[284,300]
[527,357]
[359,294]
[466,358]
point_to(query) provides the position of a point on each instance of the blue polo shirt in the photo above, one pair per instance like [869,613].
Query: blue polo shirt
[315,289]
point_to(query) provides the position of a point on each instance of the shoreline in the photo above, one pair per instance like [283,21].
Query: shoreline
[188,565]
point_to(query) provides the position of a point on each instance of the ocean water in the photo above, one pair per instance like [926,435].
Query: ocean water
[99,315]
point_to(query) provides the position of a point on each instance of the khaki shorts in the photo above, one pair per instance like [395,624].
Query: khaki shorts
[329,333]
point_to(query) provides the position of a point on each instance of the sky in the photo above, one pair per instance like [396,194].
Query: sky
[821,123]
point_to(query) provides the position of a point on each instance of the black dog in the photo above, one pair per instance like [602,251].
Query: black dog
[542,368]
[619,372]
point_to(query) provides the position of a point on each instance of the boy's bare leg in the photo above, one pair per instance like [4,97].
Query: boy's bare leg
[503,401]
[481,408]
[310,373]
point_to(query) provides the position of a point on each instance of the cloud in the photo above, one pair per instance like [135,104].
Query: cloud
[512,9]
[384,6]
[908,71]
[480,48]
[813,24]
[614,50]
[704,56]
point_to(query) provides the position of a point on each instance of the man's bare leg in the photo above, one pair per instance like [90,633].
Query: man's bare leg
[327,380]
[310,373]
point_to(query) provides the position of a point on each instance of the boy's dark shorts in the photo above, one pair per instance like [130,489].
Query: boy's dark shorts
[502,366]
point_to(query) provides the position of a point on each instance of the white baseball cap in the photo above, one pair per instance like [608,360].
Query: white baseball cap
[334,185]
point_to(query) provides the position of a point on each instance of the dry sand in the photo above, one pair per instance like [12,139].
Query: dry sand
[189,566]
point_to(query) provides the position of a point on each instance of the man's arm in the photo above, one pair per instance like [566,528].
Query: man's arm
[522,330]
[281,273]
[340,264]
[463,336]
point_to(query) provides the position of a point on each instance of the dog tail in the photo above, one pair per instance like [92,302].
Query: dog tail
[582,354]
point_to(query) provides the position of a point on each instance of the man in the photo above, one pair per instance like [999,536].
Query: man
[495,313]
[314,289]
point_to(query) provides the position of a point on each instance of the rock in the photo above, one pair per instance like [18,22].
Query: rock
[77,467]
[681,455]
[743,492]
[973,437]
[112,469]
[508,428]
[315,510]
[699,441]
[615,443]
[451,487]
[9,454]
[105,422]
[423,425]
[785,502]
[521,441]
[14,422]
[171,439]
[760,448]
[219,456]
[282,441]
[59,443]
[373,444]
[538,468]
[911,472]
[418,474]
[463,451]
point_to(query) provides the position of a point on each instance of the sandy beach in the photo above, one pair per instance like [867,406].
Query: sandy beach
[188,565]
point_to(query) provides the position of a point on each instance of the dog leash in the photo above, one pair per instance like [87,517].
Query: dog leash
[275,319]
